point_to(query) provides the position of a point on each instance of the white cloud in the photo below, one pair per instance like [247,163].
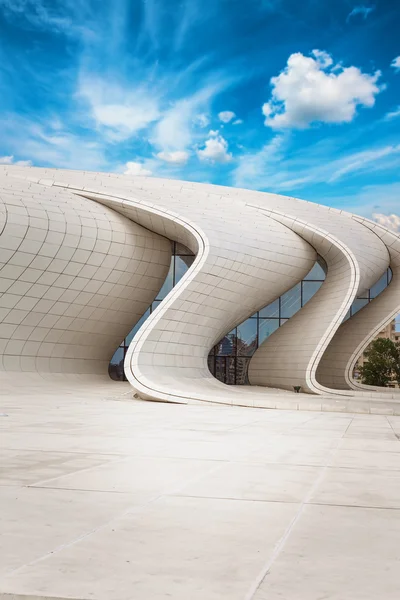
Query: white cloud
[134,169]
[393,114]
[226,116]
[361,161]
[174,131]
[118,111]
[362,10]
[311,89]
[215,150]
[390,221]
[279,166]
[396,63]
[237,122]
[9,160]
[202,120]
[178,157]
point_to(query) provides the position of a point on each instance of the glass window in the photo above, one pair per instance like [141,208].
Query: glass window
[182,250]
[211,364]
[220,370]
[116,366]
[309,289]
[154,305]
[138,325]
[291,302]
[242,367]
[227,346]
[358,304]
[182,264]
[230,374]
[347,316]
[389,275]
[168,283]
[317,273]
[247,338]
[379,286]
[272,310]
[266,327]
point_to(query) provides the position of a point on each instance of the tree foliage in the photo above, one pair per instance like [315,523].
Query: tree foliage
[383,363]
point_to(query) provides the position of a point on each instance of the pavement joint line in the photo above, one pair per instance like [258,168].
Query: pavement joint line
[284,538]
[129,511]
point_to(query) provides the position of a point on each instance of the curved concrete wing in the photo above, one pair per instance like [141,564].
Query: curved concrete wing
[356,333]
[75,277]
[290,357]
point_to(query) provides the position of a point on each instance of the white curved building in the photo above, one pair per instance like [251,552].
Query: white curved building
[83,256]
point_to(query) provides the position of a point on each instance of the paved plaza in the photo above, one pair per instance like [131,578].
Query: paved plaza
[108,498]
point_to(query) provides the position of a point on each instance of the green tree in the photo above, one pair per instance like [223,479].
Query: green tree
[383,363]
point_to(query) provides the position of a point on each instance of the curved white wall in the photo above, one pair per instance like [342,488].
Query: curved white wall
[74,278]
[250,248]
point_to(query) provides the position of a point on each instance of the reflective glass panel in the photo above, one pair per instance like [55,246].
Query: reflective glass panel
[230,375]
[182,264]
[168,283]
[211,365]
[266,327]
[316,273]
[116,366]
[247,338]
[291,302]
[220,371]
[242,367]
[309,289]
[358,304]
[227,346]
[379,286]
[272,310]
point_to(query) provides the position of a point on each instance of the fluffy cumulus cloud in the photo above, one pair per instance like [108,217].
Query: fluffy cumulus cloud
[9,160]
[312,89]
[177,157]
[226,116]
[215,149]
[136,168]
[396,63]
[390,221]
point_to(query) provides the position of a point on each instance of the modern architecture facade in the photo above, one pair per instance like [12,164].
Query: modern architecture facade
[205,285]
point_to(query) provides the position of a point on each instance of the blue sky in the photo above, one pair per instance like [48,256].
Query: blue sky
[298,98]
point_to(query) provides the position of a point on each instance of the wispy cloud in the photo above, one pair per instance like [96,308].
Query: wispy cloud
[275,168]
[392,114]
[360,10]
[118,111]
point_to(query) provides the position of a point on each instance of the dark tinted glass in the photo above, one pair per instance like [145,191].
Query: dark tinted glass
[116,366]
[242,367]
